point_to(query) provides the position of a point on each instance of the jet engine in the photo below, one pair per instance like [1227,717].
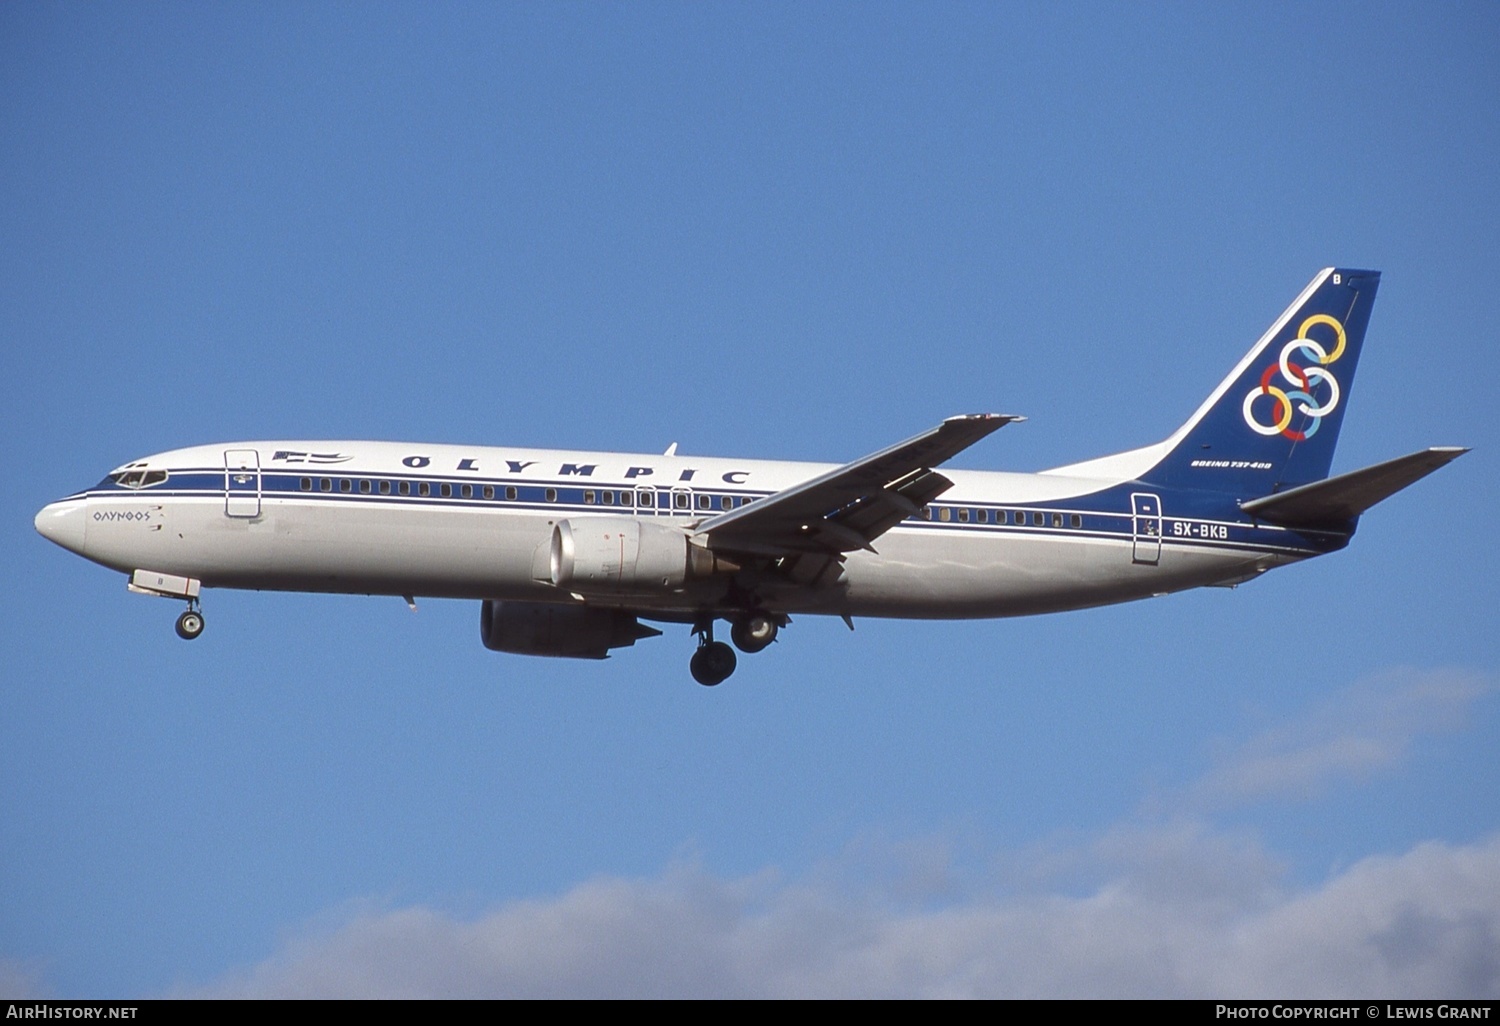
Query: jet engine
[624,554]
[541,629]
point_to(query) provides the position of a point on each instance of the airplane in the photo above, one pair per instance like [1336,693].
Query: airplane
[568,552]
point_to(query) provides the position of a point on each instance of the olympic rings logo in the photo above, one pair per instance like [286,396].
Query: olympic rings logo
[1304,377]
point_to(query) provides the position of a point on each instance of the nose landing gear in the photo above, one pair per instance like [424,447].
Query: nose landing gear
[152,582]
[190,623]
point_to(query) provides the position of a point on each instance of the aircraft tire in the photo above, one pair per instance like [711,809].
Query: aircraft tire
[712,663]
[190,625]
[754,633]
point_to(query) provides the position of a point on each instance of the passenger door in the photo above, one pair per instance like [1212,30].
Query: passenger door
[241,483]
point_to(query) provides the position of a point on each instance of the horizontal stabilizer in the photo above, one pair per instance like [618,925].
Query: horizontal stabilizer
[1338,500]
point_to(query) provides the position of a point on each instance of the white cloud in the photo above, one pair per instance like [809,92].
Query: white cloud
[1425,923]
[22,980]
[1179,909]
[1352,735]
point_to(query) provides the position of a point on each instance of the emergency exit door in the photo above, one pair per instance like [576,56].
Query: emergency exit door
[1146,510]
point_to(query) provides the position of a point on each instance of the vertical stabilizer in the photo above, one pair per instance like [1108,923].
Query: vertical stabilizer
[1272,424]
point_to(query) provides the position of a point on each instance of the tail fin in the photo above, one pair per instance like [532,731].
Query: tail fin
[1272,424]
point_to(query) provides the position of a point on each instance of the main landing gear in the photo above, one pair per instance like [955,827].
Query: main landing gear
[190,623]
[712,663]
[715,661]
[754,632]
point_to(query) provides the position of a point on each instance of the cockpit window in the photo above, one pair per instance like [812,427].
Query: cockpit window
[139,478]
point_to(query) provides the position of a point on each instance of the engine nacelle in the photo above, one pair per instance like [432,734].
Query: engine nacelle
[622,554]
[541,629]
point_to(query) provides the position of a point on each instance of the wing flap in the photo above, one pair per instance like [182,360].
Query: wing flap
[872,515]
[1337,500]
[849,507]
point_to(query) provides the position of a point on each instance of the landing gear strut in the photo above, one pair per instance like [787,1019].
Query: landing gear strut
[190,623]
[714,661]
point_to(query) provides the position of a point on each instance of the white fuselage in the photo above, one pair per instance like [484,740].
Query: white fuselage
[476,522]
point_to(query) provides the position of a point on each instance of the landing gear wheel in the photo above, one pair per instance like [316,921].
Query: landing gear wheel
[712,663]
[190,625]
[753,633]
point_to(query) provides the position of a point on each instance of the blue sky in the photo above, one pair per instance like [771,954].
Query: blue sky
[781,231]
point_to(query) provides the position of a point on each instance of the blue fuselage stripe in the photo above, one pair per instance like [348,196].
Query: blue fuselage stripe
[1111,520]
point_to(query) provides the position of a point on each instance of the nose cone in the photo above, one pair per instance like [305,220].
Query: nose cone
[63,524]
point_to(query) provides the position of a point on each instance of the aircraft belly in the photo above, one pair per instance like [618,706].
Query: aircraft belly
[941,576]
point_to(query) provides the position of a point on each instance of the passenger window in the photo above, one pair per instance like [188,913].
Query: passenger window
[404,487]
[364,487]
[1038,520]
[424,489]
[945,514]
[445,490]
[1057,520]
[306,484]
[1077,520]
[551,494]
[705,502]
[588,497]
[963,516]
[983,516]
[726,502]
[607,498]
[467,491]
[345,485]
[511,493]
[325,485]
[926,512]
[680,500]
[385,488]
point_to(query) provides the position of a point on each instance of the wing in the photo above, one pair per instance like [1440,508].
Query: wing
[848,508]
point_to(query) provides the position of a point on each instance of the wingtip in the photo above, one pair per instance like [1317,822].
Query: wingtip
[1004,418]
